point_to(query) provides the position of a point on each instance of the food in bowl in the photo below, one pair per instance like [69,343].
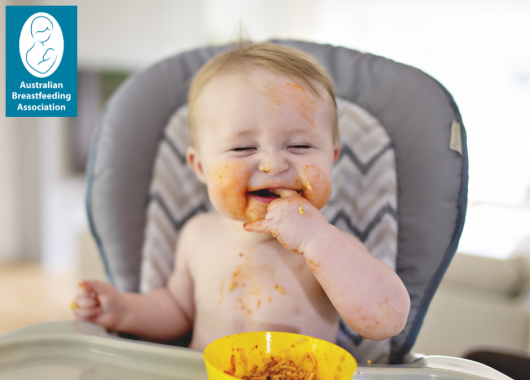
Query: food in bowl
[275,368]
[277,356]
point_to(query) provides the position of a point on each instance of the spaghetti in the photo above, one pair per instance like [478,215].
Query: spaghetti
[275,368]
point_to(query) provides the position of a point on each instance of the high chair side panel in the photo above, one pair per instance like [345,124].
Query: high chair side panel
[122,156]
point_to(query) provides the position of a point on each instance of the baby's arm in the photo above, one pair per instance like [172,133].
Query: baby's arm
[369,296]
[163,314]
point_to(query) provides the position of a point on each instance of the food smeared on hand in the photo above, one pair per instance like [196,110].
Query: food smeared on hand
[308,185]
[301,210]
[278,287]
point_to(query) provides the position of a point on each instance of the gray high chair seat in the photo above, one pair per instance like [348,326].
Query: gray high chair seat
[421,138]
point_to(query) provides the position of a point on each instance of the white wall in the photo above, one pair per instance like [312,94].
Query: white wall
[10,242]
[261,19]
[134,33]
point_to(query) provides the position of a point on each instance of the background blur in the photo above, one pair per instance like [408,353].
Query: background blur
[479,50]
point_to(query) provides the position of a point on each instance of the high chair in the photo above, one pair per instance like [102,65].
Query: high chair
[400,184]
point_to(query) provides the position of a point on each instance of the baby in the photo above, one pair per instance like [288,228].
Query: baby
[263,122]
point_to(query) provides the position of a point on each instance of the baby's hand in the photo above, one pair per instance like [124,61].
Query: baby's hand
[98,302]
[291,219]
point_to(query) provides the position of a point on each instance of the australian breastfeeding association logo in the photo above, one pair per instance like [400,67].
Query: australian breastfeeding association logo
[41,45]
[41,61]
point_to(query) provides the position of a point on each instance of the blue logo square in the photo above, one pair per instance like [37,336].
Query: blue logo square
[41,61]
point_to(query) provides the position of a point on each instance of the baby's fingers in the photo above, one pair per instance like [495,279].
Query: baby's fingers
[258,226]
[86,314]
[83,301]
[85,289]
[97,289]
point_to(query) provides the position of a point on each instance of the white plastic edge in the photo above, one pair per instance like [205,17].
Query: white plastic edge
[470,367]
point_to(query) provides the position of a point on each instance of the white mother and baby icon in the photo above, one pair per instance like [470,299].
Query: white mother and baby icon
[41,44]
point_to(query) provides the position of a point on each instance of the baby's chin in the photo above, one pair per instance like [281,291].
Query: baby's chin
[251,217]
[244,209]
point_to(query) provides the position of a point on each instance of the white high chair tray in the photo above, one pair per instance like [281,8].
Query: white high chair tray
[80,350]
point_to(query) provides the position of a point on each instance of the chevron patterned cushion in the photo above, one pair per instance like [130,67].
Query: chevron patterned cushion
[363,202]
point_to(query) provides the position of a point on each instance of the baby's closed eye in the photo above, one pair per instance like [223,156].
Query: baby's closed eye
[250,148]
[300,146]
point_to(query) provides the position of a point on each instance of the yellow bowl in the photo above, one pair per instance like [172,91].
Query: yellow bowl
[333,362]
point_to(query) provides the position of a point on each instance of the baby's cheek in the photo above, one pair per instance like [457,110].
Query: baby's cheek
[317,188]
[227,189]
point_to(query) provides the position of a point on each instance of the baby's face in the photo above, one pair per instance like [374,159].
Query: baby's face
[258,131]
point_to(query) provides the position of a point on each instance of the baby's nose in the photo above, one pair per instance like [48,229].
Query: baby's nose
[273,164]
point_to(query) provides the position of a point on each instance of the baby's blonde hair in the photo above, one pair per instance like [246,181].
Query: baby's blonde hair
[278,59]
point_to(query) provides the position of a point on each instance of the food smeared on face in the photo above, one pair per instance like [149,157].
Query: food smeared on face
[228,192]
[318,194]
[231,195]
[295,96]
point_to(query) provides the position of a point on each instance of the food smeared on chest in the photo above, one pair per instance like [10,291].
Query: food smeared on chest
[240,276]
[247,283]
[222,293]
[279,288]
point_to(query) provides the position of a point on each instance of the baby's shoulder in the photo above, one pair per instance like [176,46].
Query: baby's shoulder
[199,232]
[200,225]
[201,221]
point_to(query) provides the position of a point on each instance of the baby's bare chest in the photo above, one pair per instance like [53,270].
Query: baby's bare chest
[252,281]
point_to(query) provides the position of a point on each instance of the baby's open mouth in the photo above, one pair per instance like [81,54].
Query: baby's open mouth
[266,195]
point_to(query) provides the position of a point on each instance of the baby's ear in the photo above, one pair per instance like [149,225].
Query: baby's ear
[194,161]
[336,152]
